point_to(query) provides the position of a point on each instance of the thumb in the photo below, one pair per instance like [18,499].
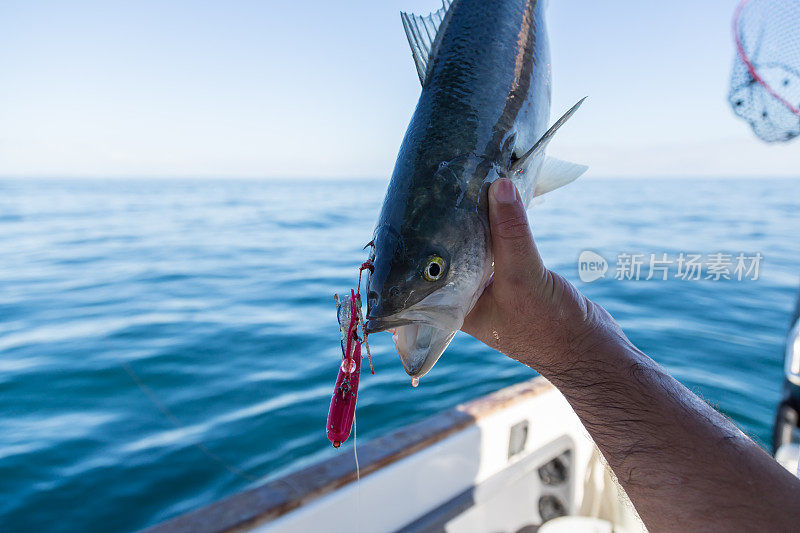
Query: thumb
[516,260]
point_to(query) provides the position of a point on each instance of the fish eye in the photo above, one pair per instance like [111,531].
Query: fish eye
[434,269]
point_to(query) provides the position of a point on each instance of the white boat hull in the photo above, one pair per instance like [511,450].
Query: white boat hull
[465,470]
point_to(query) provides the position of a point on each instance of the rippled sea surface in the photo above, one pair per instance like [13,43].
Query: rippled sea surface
[139,319]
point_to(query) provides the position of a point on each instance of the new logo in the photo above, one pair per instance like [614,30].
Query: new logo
[591,266]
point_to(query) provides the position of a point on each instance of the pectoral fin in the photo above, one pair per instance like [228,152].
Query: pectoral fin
[556,173]
[541,144]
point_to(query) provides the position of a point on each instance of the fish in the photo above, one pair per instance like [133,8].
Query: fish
[483,114]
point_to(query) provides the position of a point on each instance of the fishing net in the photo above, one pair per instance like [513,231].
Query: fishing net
[765,84]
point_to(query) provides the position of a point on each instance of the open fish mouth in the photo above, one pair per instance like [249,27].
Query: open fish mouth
[420,346]
[419,341]
[422,332]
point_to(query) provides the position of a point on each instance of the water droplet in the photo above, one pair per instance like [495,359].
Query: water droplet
[414,382]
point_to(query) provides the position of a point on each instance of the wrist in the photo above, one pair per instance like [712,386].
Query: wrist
[583,345]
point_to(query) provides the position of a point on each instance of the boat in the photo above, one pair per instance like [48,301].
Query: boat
[786,430]
[517,460]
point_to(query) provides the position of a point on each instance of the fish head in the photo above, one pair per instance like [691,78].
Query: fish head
[428,273]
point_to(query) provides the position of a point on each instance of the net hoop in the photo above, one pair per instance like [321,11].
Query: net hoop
[750,67]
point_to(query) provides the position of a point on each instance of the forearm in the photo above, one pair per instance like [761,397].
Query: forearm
[684,465]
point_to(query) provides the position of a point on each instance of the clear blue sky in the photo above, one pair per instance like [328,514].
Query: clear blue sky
[313,88]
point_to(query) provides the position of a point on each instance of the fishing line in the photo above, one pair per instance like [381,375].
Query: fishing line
[358,475]
[178,425]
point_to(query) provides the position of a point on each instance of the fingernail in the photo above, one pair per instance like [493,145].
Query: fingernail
[505,192]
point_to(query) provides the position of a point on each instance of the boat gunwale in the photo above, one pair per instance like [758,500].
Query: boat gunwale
[276,498]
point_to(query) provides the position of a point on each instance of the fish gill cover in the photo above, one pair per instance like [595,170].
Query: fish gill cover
[765,83]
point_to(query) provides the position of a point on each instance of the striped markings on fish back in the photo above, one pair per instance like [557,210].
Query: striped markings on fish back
[421,33]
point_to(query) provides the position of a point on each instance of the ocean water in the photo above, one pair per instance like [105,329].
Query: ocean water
[167,343]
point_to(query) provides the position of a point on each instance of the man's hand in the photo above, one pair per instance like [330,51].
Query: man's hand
[684,466]
[529,313]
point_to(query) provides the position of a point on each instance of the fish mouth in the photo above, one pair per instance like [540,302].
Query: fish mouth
[420,336]
[420,346]
[423,331]
[376,325]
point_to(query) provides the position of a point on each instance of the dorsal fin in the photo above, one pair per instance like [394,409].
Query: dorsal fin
[541,144]
[421,33]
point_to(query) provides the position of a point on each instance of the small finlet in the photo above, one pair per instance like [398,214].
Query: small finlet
[541,144]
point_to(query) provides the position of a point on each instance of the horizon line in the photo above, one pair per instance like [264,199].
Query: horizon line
[202,177]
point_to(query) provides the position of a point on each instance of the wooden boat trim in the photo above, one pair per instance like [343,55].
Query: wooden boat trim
[278,497]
